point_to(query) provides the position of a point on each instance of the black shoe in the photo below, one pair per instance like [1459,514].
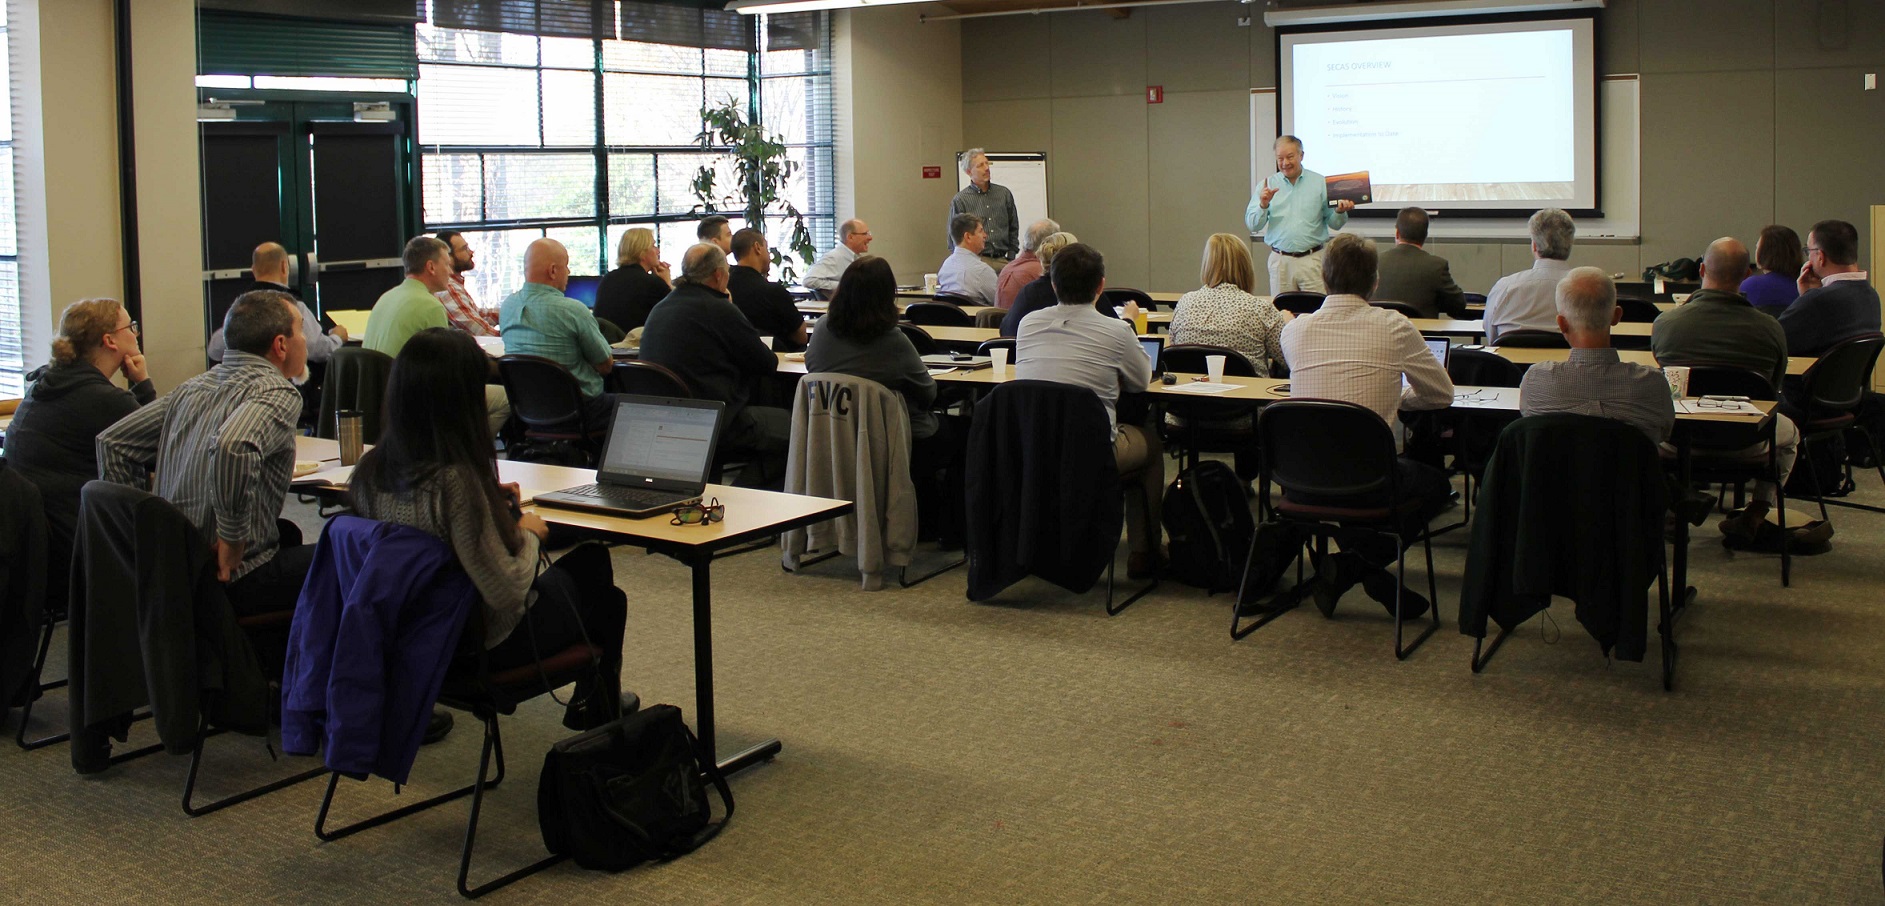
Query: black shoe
[1381,586]
[438,727]
[579,716]
[1695,507]
[1335,575]
[91,751]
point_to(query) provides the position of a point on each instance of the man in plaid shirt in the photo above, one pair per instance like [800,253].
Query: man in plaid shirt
[460,308]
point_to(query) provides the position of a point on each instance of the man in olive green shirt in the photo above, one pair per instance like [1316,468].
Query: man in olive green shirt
[411,307]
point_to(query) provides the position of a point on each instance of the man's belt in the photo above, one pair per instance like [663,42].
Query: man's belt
[1298,254]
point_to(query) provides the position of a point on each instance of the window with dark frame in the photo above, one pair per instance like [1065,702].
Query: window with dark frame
[12,330]
[537,126]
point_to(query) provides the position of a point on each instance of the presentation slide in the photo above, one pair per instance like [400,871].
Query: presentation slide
[1485,116]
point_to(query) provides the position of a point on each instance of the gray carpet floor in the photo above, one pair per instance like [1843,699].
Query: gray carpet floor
[1034,750]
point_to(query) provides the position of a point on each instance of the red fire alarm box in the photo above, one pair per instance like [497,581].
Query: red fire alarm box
[1155,94]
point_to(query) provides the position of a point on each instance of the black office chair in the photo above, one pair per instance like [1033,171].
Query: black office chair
[1298,301]
[1401,307]
[471,685]
[1533,339]
[547,400]
[920,338]
[988,346]
[938,314]
[1478,299]
[1640,311]
[1196,426]
[1118,296]
[1326,450]
[647,379]
[1828,403]
[956,299]
[1476,431]
[355,380]
[1614,469]
[1731,454]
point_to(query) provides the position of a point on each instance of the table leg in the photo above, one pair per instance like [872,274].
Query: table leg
[703,676]
[1684,593]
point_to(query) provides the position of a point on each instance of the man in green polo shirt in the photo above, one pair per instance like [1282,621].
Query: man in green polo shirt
[411,307]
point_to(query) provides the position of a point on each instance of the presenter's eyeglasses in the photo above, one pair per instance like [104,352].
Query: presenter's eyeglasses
[700,514]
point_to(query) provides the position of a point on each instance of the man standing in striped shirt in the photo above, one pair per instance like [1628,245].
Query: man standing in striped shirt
[224,448]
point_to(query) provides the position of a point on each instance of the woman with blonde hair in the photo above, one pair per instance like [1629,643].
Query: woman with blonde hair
[52,441]
[640,279]
[1224,313]
[1039,294]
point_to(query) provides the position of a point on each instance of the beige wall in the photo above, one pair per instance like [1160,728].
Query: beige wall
[66,136]
[901,105]
[1752,114]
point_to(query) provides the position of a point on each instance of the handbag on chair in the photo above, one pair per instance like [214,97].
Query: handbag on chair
[630,791]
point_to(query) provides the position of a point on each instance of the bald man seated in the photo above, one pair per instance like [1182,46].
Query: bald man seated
[698,334]
[540,320]
[269,265]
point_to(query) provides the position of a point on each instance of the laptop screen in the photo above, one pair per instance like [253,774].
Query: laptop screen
[583,289]
[1152,347]
[1438,347]
[661,439]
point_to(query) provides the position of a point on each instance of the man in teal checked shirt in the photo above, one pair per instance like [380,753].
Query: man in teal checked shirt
[1291,209]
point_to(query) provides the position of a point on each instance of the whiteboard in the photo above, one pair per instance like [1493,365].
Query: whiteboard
[1620,171]
[1023,173]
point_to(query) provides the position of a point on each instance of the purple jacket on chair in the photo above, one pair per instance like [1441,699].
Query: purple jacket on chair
[374,631]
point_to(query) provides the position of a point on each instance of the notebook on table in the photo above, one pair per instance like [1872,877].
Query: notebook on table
[655,458]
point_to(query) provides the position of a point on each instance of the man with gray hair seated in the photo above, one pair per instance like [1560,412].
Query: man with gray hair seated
[1026,267]
[697,333]
[1592,380]
[854,238]
[990,203]
[1528,300]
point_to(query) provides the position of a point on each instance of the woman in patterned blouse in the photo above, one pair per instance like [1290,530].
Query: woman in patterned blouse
[1224,313]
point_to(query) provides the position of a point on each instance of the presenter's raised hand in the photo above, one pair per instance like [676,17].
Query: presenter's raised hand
[1344,206]
[1264,195]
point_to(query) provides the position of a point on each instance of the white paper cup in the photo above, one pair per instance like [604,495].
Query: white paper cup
[1000,355]
[1678,376]
[1214,366]
[767,341]
[929,283]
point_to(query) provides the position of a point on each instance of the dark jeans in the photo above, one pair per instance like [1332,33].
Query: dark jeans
[576,598]
[758,436]
[275,585]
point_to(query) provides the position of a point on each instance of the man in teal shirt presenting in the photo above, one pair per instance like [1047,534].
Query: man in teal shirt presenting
[1291,209]
[539,320]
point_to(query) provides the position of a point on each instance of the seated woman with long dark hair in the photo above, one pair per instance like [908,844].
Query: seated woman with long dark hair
[858,336]
[434,469]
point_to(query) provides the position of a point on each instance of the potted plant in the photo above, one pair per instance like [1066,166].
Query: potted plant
[760,172]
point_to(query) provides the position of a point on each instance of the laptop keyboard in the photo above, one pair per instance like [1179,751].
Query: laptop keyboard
[632,498]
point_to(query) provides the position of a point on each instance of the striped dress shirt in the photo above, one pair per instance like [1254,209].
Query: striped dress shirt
[463,311]
[1351,351]
[224,445]
[1596,382]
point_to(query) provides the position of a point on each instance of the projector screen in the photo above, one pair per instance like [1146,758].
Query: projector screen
[1480,118]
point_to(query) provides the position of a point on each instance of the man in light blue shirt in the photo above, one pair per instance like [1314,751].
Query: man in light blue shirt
[963,273]
[539,320]
[1292,211]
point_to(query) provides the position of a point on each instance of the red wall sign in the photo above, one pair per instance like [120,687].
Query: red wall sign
[932,172]
[1155,94]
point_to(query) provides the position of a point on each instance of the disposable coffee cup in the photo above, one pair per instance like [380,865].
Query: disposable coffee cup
[1678,376]
[1214,367]
[767,341]
[929,283]
[1000,355]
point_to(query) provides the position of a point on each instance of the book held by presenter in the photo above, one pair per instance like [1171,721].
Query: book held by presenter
[1353,187]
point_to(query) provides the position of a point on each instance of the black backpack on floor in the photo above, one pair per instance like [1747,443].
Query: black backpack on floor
[1208,522]
[630,791]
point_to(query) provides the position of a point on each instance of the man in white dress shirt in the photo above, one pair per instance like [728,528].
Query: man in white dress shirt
[963,273]
[854,237]
[1351,351]
[1528,300]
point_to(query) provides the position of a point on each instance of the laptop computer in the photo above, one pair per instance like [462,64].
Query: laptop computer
[960,360]
[1153,346]
[583,289]
[1438,346]
[656,457]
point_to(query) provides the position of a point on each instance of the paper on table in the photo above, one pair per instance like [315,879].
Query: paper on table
[1201,387]
[334,474]
[935,372]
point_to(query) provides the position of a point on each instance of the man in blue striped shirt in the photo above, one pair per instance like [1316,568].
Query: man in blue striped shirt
[1292,211]
[224,447]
